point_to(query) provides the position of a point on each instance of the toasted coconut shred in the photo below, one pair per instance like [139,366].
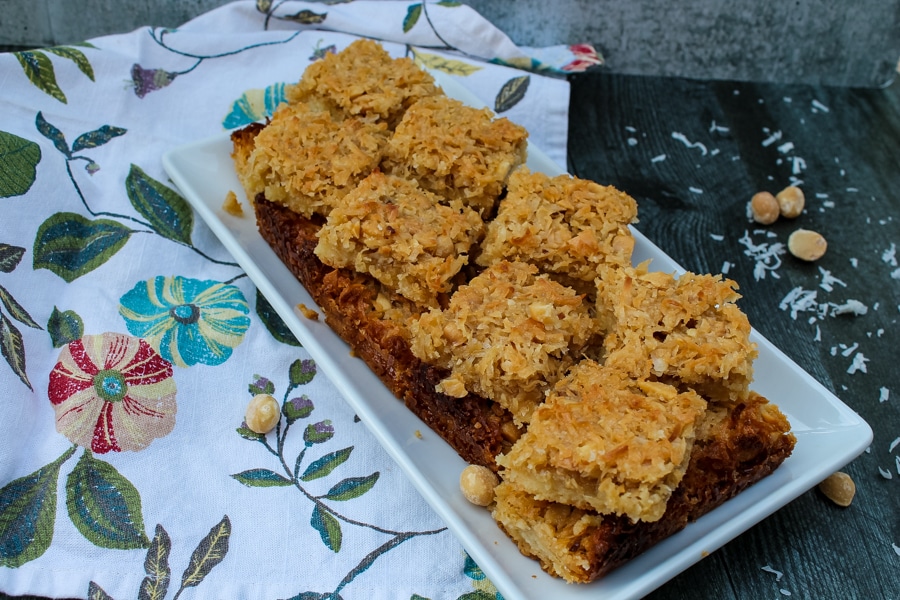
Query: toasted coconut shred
[508,335]
[520,287]
[457,151]
[401,235]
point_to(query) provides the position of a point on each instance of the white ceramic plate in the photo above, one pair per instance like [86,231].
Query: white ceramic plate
[829,434]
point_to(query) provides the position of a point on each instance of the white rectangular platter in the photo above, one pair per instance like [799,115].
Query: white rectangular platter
[829,434]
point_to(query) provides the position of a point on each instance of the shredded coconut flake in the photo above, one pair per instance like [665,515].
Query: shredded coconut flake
[896,549]
[858,364]
[778,574]
[766,256]
[883,395]
[774,137]
[828,280]
[683,139]
[717,237]
[853,307]
[884,473]
[848,350]
[894,444]
[890,255]
[816,106]
[658,158]
[798,300]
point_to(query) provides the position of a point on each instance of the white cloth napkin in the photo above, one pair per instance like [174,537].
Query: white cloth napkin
[132,343]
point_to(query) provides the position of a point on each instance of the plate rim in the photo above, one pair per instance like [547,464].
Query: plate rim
[642,574]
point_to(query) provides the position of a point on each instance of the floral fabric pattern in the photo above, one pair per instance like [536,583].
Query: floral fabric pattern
[112,393]
[128,473]
[188,321]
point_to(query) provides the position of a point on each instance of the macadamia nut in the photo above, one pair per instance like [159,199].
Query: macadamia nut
[764,208]
[807,245]
[791,201]
[262,414]
[839,488]
[477,484]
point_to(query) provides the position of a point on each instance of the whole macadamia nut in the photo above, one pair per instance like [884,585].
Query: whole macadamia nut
[262,414]
[839,488]
[791,201]
[477,484]
[764,208]
[807,245]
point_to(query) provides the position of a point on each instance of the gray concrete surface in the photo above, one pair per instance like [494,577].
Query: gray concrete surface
[829,42]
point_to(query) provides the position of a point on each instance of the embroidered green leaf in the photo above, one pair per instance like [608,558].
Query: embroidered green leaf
[307,17]
[249,434]
[10,256]
[27,514]
[478,595]
[262,478]
[168,213]
[18,164]
[52,133]
[302,372]
[64,327]
[352,487]
[273,322]
[12,347]
[209,553]
[412,17]
[328,527]
[449,3]
[16,310]
[446,65]
[263,6]
[156,565]
[318,433]
[511,93]
[76,56]
[39,70]
[95,592]
[326,464]
[98,137]
[71,245]
[104,506]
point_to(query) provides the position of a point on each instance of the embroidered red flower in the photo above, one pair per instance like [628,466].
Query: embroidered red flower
[112,392]
[585,57]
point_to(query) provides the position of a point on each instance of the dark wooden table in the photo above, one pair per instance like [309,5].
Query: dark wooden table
[693,153]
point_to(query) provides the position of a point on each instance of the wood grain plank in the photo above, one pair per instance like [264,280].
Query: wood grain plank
[843,147]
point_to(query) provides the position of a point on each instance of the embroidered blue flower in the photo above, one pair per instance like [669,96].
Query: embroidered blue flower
[255,105]
[479,581]
[187,321]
